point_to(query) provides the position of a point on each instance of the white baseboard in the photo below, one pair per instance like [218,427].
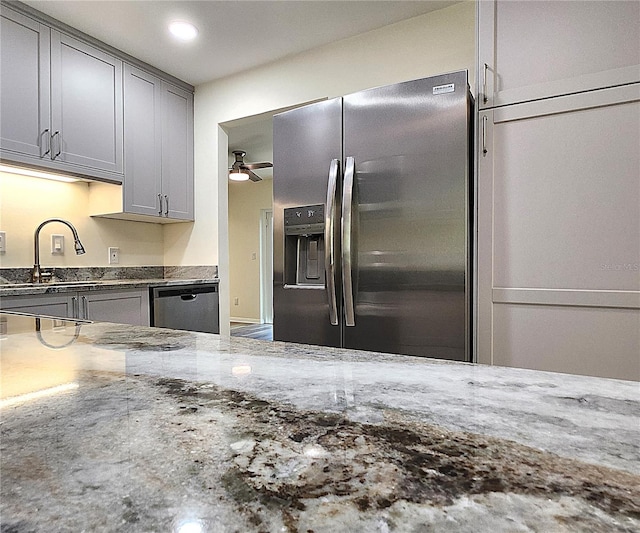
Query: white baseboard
[244,320]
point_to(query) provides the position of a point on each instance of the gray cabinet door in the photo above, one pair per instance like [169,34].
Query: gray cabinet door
[24,85]
[143,142]
[177,152]
[56,305]
[559,234]
[86,104]
[538,49]
[123,307]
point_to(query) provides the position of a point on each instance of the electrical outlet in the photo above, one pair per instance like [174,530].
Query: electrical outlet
[3,242]
[253,256]
[235,301]
[114,255]
[57,244]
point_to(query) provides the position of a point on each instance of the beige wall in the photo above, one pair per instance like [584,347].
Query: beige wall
[25,202]
[246,200]
[437,42]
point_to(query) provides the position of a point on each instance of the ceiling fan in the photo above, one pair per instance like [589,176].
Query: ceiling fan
[241,171]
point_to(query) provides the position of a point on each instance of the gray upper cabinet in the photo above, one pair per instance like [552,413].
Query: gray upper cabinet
[61,101]
[24,85]
[530,50]
[177,152]
[86,97]
[159,147]
[143,148]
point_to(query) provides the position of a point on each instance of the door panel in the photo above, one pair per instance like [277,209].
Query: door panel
[56,305]
[123,307]
[86,105]
[590,341]
[24,85]
[541,49]
[305,141]
[559,234]
[410,144]
[566,212]
[142,137]
[177,152]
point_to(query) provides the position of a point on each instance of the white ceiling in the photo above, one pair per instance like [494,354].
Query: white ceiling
[233,35]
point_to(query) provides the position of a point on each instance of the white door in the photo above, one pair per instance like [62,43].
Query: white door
[266,278]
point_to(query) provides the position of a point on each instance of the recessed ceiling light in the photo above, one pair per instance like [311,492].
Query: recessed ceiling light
[185,31]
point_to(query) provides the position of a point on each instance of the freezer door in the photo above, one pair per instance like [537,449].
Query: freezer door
[407,219]
[307,145]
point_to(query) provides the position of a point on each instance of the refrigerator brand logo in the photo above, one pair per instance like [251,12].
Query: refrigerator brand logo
[442,89]
[628,267]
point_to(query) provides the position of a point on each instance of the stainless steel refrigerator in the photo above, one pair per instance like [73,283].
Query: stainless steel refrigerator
[373,220]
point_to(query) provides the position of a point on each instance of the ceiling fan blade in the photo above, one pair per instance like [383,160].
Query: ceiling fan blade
[252,175]
[255,166]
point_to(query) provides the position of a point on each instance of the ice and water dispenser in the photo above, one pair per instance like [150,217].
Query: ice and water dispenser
[304,246]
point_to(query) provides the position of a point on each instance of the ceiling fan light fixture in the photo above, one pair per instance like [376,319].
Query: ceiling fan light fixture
[238,175]
[185,31]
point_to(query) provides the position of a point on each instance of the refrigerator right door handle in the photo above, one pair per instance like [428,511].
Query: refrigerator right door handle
[329,244]
[347,281]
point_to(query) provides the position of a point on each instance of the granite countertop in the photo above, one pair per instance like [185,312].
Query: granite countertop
[147,429]
[27,289]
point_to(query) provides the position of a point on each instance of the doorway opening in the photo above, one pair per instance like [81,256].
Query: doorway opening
[250,224]
[247,296]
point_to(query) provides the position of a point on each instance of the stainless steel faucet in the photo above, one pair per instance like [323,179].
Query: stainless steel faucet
[37,276]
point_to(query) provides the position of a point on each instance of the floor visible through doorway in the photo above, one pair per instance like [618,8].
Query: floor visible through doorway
[262,332]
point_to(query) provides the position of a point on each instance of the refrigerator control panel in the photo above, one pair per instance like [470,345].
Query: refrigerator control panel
[304,220]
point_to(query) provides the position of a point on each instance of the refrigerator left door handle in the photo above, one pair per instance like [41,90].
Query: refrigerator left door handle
[347,207]
[329,244]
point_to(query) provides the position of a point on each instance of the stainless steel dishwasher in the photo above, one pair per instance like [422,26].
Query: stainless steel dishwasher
[190,307]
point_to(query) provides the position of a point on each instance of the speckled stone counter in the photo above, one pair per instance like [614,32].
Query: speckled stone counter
[30,289]
[120,428]
[14,281]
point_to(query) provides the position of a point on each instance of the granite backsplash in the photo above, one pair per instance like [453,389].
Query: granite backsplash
[62,274]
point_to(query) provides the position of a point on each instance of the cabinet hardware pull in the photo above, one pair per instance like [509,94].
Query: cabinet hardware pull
[485,99]
[160,200]
[166,205]
[48,139]
[484,135]
[75,312]
[85,308]
[56,134]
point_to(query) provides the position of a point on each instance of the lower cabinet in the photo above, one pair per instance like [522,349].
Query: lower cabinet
[121,306]
[559,234]
[124,307]
[57,305]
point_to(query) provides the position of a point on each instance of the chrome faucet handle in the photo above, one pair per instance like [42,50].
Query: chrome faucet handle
[41,275]
[46,275]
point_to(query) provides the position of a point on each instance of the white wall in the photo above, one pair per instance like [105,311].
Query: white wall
[430,44]
[246,202]
[25,202]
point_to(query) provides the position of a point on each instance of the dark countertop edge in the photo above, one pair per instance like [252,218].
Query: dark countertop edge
[54,288]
